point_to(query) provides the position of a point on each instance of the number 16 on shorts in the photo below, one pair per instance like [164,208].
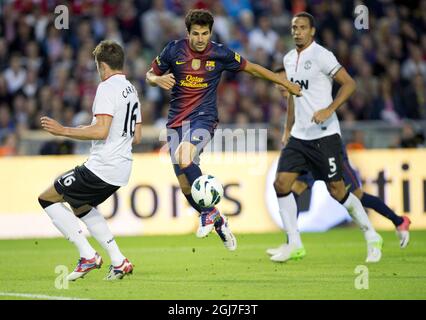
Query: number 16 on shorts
[67,179]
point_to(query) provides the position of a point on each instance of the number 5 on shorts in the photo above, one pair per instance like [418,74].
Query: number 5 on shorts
[332,163]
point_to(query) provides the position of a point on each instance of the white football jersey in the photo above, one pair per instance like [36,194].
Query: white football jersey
[111,159]
[313,69]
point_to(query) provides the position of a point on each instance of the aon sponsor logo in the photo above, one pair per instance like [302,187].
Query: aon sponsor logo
[304,84]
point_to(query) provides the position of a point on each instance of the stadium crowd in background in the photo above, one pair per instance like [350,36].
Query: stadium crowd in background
[46,71]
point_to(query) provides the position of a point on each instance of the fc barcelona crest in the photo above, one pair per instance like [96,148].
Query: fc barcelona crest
[210,65]
[196,64]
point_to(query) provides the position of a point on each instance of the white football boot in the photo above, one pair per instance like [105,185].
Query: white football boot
[374,250]
[207,221]
[274,251]
[289,252]
[84,266]
[118,272]
[403,232]
[225,234]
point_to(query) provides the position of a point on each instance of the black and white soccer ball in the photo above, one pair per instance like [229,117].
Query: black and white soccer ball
[207,191]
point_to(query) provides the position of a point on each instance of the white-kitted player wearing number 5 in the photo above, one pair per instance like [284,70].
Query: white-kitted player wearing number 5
[116,125]
[312,137]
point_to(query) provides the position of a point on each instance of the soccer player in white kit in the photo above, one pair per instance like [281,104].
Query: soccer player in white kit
[116,125]
[314,143]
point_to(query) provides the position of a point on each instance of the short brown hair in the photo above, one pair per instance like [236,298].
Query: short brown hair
[111,53]
[199,16]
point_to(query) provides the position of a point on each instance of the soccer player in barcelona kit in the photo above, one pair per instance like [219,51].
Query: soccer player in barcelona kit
[352,182]
[314,144]
[196,64]
[116,125]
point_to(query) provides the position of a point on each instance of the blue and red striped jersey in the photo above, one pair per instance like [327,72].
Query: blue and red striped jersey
[197,76]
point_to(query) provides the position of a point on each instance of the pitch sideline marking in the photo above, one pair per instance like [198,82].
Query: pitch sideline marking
[37,296]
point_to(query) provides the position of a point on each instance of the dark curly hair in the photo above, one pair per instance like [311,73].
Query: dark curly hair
[199,16]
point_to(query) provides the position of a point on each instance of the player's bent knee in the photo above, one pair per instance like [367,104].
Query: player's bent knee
[182,161]
[82,214]
[337,193]
[44,203]
[299,187]
[184,155]
[281,187]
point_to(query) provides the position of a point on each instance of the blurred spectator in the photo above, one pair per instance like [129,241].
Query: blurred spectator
[263,37]
[57,147]
[7,125]
[31,84]
[71,94]
[4,93]
[4,59]
[414,64]
[367,86]
[33,118]
[128,20]
[9,146]
[238,40]
[279,52]
[235,7]
[357,141]
[246,20]
[415,98]
[410,137]
[155,23]
[386,105]
[84,116]
[24,34]
[15,75]
[19,104]
[53,44]
[222,23]
[280,19]
[33,59]
[112,32]
[97,22]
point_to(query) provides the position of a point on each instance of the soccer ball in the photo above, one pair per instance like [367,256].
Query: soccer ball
[207,191]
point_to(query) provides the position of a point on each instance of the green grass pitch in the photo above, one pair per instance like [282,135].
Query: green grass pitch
[187,268]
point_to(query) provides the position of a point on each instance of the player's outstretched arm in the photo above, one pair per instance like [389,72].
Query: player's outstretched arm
[166,81]
[96,131]
[348,87]
[261,72]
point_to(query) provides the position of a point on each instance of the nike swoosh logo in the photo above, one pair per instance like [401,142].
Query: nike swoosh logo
[180,62]
[332,175]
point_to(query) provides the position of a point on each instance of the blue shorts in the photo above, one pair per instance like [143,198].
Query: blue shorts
[197,132]
[351,177]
